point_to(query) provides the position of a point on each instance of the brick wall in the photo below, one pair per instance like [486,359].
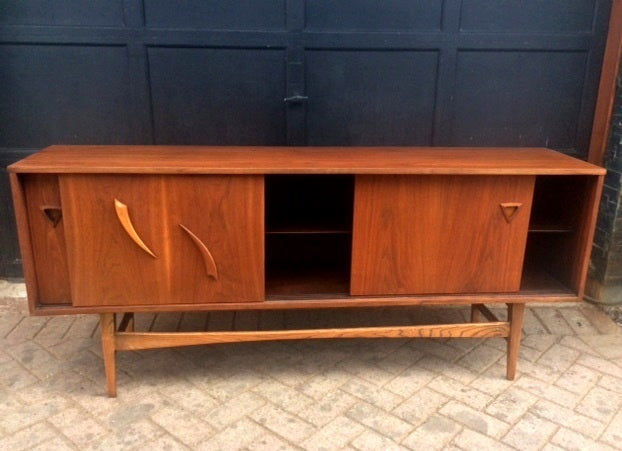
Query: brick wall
[606,265]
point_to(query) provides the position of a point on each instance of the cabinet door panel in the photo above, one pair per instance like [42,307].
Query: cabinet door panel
[126,244]
[439,234]
[47,236]
[223,224]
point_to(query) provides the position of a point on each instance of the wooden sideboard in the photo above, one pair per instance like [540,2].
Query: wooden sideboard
[124,229]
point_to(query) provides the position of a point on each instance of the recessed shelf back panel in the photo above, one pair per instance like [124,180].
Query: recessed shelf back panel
[309,203]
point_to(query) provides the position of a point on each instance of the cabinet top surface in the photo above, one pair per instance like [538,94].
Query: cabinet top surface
[301,160]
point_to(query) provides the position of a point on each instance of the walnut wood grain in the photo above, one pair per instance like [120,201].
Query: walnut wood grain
[210,265]
[228,212]
[575,202]
[536,286]
[25,242]
[106,267]
[337,301]
[438,234]
[301,160]
[47,236]
[582,248]
[132,341]
[107,325]
[124,218]
[516,314]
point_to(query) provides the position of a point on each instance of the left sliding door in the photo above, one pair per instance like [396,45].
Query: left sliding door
[163,239]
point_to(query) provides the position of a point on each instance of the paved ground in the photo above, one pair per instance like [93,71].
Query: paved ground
[342,394]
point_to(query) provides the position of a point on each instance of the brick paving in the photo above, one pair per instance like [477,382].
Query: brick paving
[338,394]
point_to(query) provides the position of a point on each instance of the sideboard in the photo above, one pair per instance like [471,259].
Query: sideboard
[115,230]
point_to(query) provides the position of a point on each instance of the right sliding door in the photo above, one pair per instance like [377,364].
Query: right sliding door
[425,234]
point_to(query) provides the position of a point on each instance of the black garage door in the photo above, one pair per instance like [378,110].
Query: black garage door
[277,72]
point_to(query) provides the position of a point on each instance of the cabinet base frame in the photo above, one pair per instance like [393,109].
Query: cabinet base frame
[126,339]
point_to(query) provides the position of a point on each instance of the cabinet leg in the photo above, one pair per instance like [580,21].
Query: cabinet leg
[127,323]
[475,317]
[516,313]
[107,324]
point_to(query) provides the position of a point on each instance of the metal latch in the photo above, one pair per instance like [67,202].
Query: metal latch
[295,99]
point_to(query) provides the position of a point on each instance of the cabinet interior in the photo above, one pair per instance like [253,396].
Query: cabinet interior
[557,233]
[308,233]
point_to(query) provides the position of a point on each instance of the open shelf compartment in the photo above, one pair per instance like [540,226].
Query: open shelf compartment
[557,244]
[308,233]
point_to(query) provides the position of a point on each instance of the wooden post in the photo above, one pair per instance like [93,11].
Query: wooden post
[107,324]
[475,317]
[127,323]
[516,313]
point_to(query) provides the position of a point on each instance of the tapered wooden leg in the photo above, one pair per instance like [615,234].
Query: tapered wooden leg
[107,325]
[516,313]
[127,323]
[475,317]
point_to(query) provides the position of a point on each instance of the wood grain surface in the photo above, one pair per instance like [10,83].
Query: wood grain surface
[48,240]
[479,262]
[132,341]
[25,243]
[569,203]
[107,327]
[438,234]
[579,250]
[108,268]
[516,315]
[301,160]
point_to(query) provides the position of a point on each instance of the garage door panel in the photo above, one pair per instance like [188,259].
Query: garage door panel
[515,98]
[62,12]
[370,97]
[70,94]
[216,14]
[218,96]
[373,15]
[568,16]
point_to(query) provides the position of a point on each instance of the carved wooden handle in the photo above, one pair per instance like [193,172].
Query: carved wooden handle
[53,213]
[124,219]
[210,264]
[509,210]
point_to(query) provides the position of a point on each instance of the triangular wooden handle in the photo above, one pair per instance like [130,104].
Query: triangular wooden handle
[52,213]
[509,210]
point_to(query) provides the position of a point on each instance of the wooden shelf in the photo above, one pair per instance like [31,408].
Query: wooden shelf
[309,231]
[323,284]
[538,281]
[301,160]
[550,228]
[318,282]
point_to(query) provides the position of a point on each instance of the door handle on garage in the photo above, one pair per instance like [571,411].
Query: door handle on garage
[295,99]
